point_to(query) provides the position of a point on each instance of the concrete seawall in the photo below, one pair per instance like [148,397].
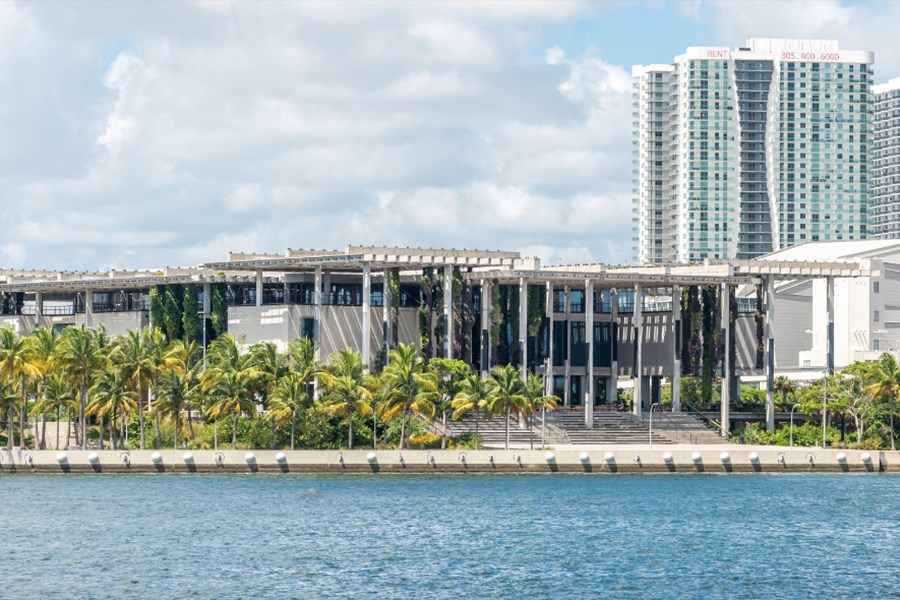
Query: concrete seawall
[599,460]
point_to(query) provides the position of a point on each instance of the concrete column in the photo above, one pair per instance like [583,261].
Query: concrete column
[38,308]
[548,370]
[366,308]
[485,329]
[770,354]
[638,343]
[89,308]
[829,334]
[725,305]
[317,307]
[589,336]
[567,390]
[676,348]
[523,327]
[613,382]
[386,316]
[448,311]
[207,310]
[259,288]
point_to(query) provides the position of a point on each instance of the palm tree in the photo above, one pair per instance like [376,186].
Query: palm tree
[229,380]
[506,396]
[44,344]
[16,363]
[112,395]
[885,375]
[172,392]
[449,373]
[271,366]
[408,388]
[536,399]
[472,399]
[288,398]
[57,396]
[346,396]
[784,386]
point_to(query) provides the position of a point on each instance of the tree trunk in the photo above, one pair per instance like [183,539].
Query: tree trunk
[477,421]
[22,416]
[58,423]
[10,416]
[158,439]
[100,439]
[350,432]
[141,412]
[402,429]
[43,429]
[234,434]
[190,422]
[444,431]
[507,427]
[893,446]
[273,433]
[293,420]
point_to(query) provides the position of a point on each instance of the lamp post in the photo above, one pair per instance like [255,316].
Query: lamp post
[825,410]
[791,442]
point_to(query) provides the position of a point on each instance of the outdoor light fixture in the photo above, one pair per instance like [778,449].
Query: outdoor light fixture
[400,459]
[220,459]
[637,458]
[811,458]
[781,458]
[461,457]
[125,458]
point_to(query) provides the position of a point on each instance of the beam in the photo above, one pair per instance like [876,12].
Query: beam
[770,354]
[638,343]
[448,311]
[589,336]
[523,328]
[366,309]
[676,348]
[724,308]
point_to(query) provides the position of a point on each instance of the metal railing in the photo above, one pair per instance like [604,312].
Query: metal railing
[665,424]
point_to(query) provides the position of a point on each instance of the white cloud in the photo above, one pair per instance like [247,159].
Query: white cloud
[146,135]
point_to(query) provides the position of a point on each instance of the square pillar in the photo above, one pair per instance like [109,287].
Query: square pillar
[589,336]
[676,348]
[366,303]
[770,354]
[89,308]
[448,311]
[613,391]
[725,309]
[485,329]
[567,390]
[523,327]
[548,369]
[386,316]
[317,308]
[259,288]
[829,333]
[38,308]
[638,359]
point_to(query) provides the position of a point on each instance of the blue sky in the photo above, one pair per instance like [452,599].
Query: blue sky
[152,134]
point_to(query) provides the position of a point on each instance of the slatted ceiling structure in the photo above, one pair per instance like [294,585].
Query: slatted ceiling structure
[375,256]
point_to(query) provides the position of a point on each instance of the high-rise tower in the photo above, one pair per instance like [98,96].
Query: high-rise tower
[884,196]
[742,152]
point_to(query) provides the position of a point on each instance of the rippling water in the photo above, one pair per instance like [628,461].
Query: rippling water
[559,536]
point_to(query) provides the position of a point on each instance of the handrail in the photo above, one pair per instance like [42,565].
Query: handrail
[708,420]
[667,422]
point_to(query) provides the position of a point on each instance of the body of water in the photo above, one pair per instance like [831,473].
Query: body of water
[541,536]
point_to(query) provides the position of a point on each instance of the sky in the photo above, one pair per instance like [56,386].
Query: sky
[168,134]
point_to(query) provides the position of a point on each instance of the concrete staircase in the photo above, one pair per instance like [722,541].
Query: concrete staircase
[492,432]
[625,428]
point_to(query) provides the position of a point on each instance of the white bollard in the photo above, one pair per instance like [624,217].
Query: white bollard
[754,457]
[841,457]
[462,457]
[281,458]
[696,458]
[637,458]
[667,458]
[62,458]
[725,458]
[220,459]
[372,458]
[94,458]
[188,458]
[157,459]
[609,457]
[125,458]
[550,457]
[584,457]
[866,458]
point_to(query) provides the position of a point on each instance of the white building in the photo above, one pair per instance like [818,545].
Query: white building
[738,153]
[884,198]
[865,313]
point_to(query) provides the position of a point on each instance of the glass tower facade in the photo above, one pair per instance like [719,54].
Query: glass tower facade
[743,152]
[884,200]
